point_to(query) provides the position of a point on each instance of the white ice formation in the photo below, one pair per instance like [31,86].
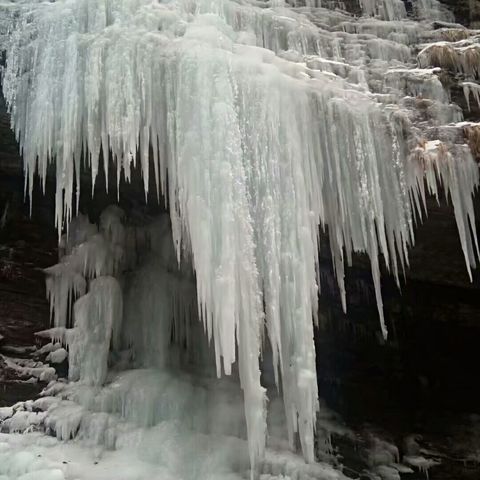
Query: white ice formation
[159,401]
[259,123]
[471,89]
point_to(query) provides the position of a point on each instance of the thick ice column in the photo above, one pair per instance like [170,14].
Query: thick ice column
[160,303]
[96,315]
[282,206]
[211,179]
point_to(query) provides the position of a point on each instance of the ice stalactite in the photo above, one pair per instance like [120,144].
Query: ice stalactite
[88,253]
[64,285]
[261,124]
[392,10]
[441,167]
[471,89]
[385,9]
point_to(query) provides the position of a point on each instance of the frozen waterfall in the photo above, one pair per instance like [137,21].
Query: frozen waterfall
[258,123]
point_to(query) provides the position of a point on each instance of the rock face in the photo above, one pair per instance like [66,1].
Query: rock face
[428,365]
[27,245]
[467,12]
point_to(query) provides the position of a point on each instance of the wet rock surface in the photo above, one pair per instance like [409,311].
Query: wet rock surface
[28,244]
[422,379]
[467,12]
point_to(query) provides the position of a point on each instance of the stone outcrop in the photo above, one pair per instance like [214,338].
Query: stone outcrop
[467,12]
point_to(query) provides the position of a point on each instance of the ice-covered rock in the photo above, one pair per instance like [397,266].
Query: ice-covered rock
[421,463]
[57,356]
[27,368]
[5,412]
[22,421]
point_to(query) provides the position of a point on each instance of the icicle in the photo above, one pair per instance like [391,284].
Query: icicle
[471,88]
[64,285]
[457,173]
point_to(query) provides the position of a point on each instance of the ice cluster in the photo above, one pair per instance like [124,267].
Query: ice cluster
[142,376]
[259,123]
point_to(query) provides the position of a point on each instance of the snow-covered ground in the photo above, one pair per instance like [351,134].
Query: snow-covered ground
[170,450]
[34,456]
[154,427]
[144,424]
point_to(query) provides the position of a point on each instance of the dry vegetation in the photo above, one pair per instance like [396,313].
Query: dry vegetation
[472,135]
[463,57]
